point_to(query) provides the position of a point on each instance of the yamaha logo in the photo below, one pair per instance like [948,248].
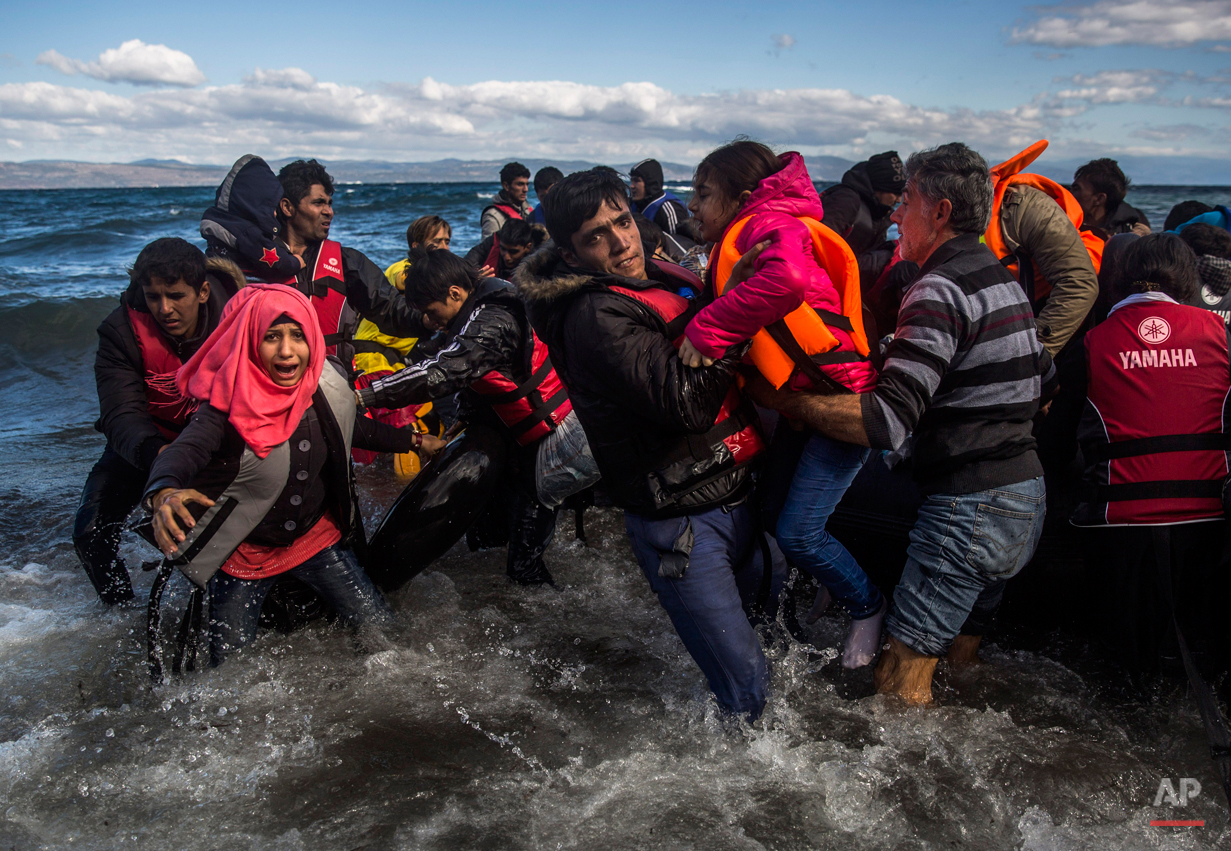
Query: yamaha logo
[1209,297]
[331,262]
[1154,330]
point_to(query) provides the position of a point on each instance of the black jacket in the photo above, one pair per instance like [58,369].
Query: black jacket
[490,332]
[206,456]
[119,369]
[1121,221]
[852,210]
[642,409]
[243,223]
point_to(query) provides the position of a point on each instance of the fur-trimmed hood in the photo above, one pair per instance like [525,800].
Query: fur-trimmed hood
[545,277]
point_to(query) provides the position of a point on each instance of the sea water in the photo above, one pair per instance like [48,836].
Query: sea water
[491,716]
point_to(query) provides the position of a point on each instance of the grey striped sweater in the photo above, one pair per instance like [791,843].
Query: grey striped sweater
[963,375]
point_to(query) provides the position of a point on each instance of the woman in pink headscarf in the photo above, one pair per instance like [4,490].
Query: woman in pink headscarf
[260,482]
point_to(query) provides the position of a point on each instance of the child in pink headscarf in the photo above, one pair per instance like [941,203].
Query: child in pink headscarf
[260,483]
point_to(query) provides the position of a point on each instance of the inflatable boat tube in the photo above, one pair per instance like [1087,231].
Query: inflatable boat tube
[437,508]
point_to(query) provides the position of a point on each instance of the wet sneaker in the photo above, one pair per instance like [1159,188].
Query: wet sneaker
[863,639]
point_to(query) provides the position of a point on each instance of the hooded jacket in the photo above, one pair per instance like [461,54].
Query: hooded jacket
[787,274]
[852,210]
[243,223]
[671,211]
[119,368]
[637,401]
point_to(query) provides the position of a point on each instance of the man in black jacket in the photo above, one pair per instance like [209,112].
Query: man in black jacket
[344,285]
[173,301]
[674,444]
[502,375]
[859,208]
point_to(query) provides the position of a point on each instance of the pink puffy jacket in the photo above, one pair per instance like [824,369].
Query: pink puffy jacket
[787,274]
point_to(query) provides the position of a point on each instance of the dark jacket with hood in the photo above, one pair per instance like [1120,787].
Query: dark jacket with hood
[672,211]
[644,412]
[852,210]
[490,332]
[243,223]
[242,226]
[119,368]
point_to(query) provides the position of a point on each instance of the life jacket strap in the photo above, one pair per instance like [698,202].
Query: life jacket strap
[543,414]
[836,320]
[1161,443]
[701,446]
[782,335]
[334,339]
[524,390]
[1164,489]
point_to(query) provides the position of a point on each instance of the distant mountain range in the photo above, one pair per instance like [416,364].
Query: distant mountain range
[67,174]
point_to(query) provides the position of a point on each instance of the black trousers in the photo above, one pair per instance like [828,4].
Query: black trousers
[516,517]
[1128,609]
[112,491]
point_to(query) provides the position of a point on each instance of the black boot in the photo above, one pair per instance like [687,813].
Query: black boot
[532,526]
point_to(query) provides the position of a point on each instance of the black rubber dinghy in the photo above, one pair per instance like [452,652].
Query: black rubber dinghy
[437,508]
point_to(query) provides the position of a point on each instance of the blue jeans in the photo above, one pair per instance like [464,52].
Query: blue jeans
[334,573]
[963,547]
[826,469]
[708,604]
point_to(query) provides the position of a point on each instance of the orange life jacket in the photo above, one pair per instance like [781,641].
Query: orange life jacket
[802,340]
[1009,173]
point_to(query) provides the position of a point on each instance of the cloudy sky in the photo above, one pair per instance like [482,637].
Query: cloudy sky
[413,81]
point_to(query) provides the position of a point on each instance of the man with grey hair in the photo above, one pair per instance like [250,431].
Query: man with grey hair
[962,381]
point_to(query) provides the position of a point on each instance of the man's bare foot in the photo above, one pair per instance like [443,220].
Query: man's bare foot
[964,652]
[904,672]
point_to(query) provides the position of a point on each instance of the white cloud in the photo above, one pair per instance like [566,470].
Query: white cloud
[1170,132]
[782,41]
[135,62]
[287,111]
[284,112]
[1163,23]
[1116,86]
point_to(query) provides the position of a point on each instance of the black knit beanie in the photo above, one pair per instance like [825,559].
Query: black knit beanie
[887,173]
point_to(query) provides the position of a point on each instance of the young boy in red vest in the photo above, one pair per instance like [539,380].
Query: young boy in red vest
[173,301]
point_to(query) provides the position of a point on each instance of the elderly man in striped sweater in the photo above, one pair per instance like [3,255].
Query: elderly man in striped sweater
[963,379]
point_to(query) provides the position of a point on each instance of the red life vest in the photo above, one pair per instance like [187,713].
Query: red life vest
[734,427]
[533,407]
[1155,429]
[493,256]
[328,295]
[506,208]
[167,408]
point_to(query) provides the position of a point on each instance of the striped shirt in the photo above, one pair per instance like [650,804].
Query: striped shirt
[963,375]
